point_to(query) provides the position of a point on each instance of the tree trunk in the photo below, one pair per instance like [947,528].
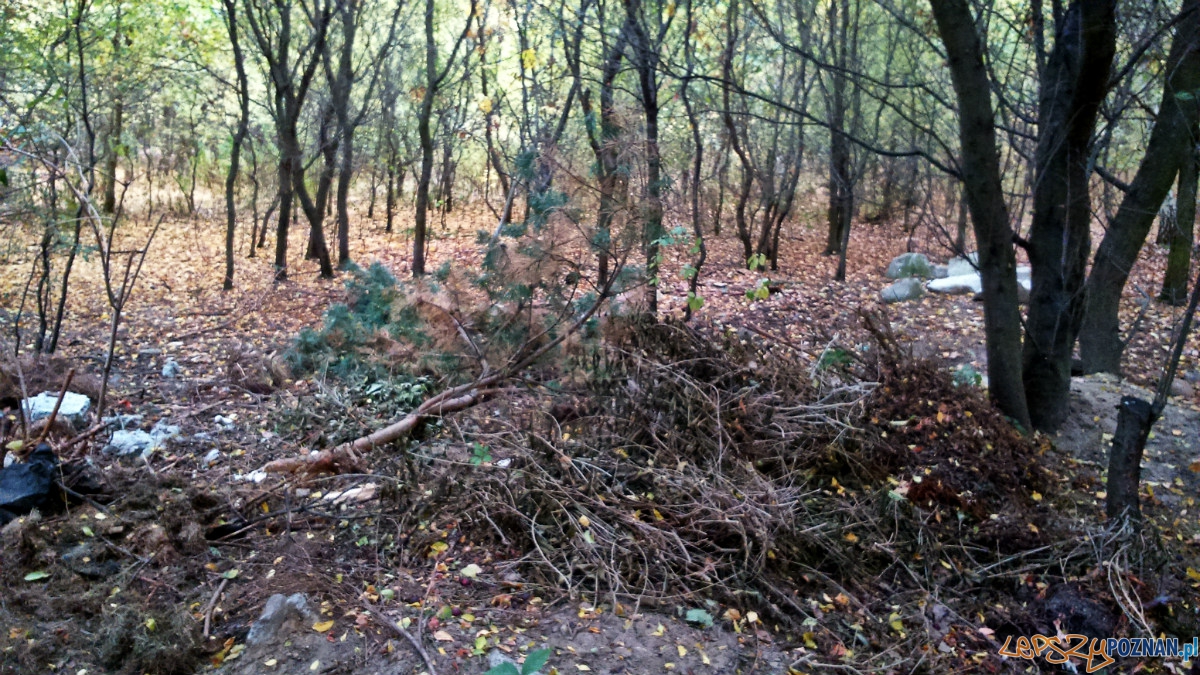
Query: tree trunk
[112,155]
[1179,259]
[841,195]
[239,137]
[985,198]
[1170,144]
[734,135]
[647,52]
[1135,417]
[426,141]
[345,174]
[1073,87]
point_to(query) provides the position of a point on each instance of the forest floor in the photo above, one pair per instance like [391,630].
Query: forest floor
[171,559]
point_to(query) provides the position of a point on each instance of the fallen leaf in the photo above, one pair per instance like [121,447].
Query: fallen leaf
[322,626]
[443,636]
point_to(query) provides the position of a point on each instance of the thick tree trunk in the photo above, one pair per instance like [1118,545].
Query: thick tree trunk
[1179,259]
[1135,417]
[985,198]
[1170,144]
[1073,87]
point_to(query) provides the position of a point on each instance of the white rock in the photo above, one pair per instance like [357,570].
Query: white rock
[960,266]
[170,369]
[293,611]
[73,411]
[959,284]
[904,289]
[127,442]
[212,458]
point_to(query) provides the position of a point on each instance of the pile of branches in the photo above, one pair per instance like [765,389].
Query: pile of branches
[700,464]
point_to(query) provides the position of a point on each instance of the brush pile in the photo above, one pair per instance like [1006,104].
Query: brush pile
[694,466]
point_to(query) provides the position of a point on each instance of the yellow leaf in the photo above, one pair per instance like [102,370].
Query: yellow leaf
[658,632]
[437,547]
[657,516]
[271,663]
[442,636]
[851,537]
[529,59]
[895,622]
[704,659]
[322,626]
[315,666]
[1193,574]
[752,617]
[582,668]
[585,522]
[809,641]
[1037,496]
[485,105]
[682,650]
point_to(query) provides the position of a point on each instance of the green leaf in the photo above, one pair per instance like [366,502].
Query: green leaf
[4,177]
[231,574]
[535,661]
[504,669]
[36,576]
[699,617]
[694,302]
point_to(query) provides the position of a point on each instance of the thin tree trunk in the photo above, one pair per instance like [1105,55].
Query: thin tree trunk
[1179,259]
[112,155]
[239,137]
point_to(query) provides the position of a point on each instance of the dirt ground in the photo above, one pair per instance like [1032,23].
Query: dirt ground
[1169,468]
[136,567]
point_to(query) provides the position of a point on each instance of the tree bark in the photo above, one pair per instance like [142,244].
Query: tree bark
[426,141]
[1179,258]
[985,199]
[112,155]
[239,137]
[1100,344]
[1073,87]
[841,195]
[647,50]
[1135,417]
